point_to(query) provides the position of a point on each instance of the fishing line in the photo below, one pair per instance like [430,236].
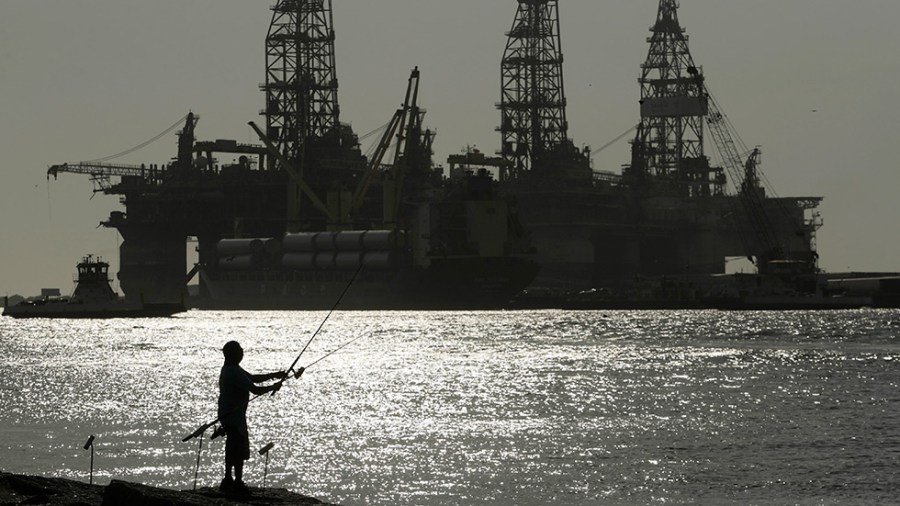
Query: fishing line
[316,333]
[202,429]
[332,352]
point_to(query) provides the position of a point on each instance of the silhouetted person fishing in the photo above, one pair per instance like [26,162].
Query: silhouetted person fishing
[235,387]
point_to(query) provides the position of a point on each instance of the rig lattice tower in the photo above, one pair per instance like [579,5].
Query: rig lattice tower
[533,103]
[673,107]
[301,84]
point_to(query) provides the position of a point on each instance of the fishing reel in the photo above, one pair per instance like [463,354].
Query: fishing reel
[219,432]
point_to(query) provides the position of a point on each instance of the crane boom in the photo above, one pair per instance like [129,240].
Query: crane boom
[405,125]
[100,172]
[744,175]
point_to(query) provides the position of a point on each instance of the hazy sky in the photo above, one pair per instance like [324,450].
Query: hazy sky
[814,82]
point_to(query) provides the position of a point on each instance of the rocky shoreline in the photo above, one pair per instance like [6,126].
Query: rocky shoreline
[16,489]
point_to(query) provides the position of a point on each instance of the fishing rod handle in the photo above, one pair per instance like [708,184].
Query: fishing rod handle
[200,430]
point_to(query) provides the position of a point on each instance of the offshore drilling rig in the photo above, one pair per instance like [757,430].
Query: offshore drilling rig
[300,218]
[195,197]
[670,145]
[297,218]
[668,214]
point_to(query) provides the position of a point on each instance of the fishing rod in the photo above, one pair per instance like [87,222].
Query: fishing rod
[219,431]
[202,429]
[316,333]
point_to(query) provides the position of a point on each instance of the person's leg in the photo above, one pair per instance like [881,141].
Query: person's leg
[239,487]
[228,481]
[241,453]
[239,471]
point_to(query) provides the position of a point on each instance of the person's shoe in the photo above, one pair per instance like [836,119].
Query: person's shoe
[227,485]
[240,489]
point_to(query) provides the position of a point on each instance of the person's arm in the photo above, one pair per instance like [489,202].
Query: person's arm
[261,378]
[259,390]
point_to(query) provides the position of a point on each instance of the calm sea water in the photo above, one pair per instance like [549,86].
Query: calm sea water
[429,408]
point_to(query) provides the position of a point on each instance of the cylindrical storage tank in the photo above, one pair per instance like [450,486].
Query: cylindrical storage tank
[378,260]
[324,241]
[349,240]
[271,252]
[231,247]
[296,243]
[299,261]
[272,248]
[378,240]
[348,260]
[237,262]
[324,261]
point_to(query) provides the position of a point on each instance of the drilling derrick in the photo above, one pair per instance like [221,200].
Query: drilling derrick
[668,156]
[301,85]
[533,104]
[669,143]
[302,116]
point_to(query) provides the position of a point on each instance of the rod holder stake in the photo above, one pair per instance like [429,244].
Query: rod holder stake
[90,445]
[265,451]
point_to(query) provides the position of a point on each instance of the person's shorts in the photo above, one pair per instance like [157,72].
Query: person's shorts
[237,443]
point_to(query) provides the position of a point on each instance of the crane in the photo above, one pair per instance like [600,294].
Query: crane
[102,172]
[406,126]
[744,173]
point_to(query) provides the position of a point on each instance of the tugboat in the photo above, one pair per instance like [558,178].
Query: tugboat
[93,298]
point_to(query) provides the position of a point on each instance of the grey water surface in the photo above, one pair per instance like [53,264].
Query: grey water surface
[519,407]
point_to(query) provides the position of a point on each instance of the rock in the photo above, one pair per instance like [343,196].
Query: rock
[133,494]
[22,490]
[19,489]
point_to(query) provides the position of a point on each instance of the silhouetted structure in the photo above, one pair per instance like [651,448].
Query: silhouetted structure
[668,214]
[533,102]
[301,80]
[93,297]
[290,223]
[673,108]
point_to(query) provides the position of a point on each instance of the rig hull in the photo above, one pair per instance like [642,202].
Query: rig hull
[479,284]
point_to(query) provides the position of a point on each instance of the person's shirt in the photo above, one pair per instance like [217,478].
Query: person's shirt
[234,393]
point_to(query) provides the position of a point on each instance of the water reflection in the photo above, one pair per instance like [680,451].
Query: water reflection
[492,407]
